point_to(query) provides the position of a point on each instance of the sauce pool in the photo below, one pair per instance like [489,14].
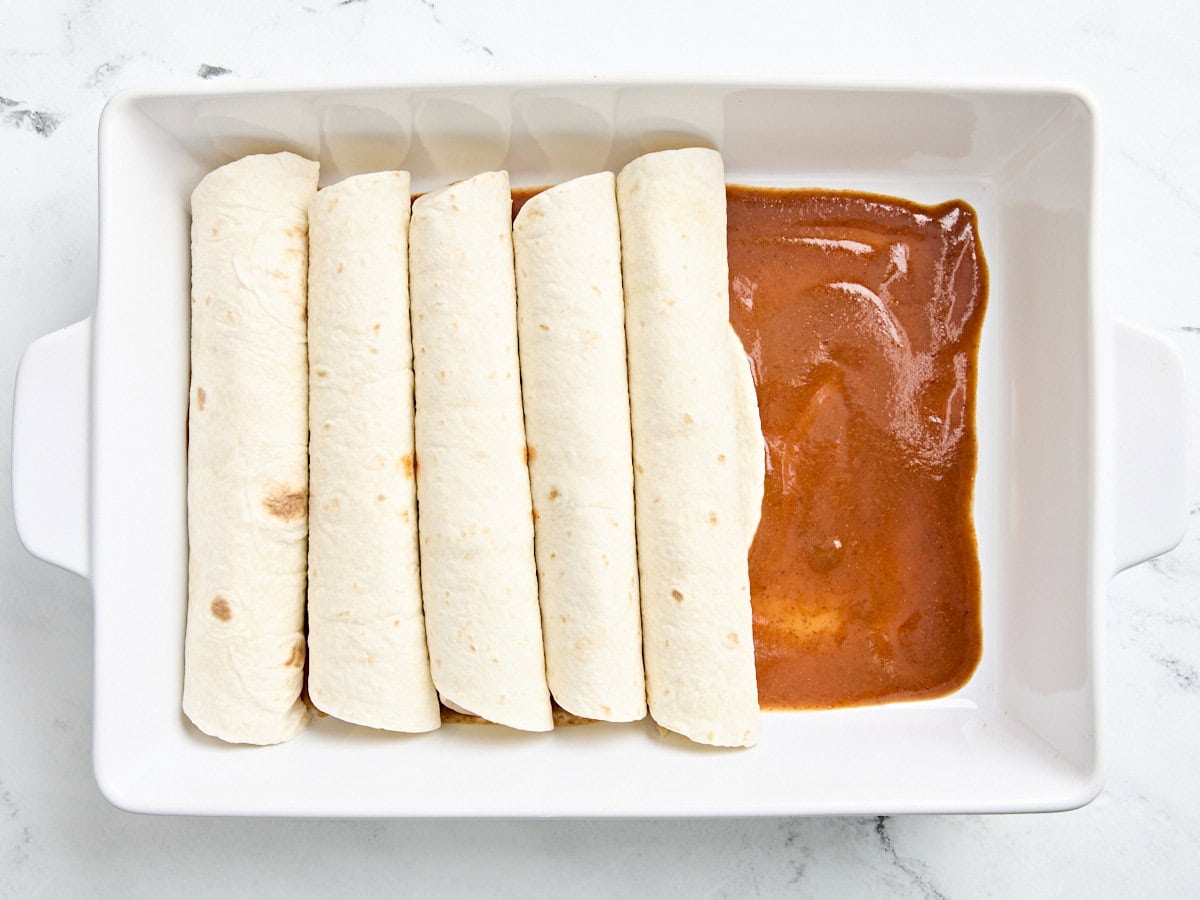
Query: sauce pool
[861,315]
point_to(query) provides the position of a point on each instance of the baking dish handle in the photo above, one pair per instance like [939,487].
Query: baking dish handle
[50,447]
[1152,446]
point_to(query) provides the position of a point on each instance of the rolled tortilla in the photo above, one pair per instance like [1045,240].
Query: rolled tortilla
[478,576]
[248,450]
[571,320]
[693,448]
[366,635]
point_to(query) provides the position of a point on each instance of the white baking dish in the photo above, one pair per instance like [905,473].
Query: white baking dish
[1081,463]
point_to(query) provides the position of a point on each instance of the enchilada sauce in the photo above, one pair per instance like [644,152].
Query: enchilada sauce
[861,316]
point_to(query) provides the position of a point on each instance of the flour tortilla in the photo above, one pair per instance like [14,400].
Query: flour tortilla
[571,320]
[368,662]
[752,449]
[697,485]
[248,450]
[478,575]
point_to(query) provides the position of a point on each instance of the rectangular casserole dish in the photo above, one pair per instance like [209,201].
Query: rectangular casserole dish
[1081,452]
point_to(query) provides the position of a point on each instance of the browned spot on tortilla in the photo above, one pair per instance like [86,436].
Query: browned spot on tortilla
[375,328]
[535,514]
[678,596]
[720,457]
[372,349]
[641,470]
[733,639]
[296,659]
[370,660]
[607,710]
[321,373]
[200,398]
[220,609]
[328,426]
[281,276]
[342,613]
[208,301]
[687,420]
[553,495]
[341,268]
[543,326]
[530,453]
[408,462]
[215,230]
[295,231]
[379,498]
[712,518]
[286,504]
[404,514]
[395,623]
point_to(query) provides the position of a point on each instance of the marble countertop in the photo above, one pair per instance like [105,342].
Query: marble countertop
[60,60]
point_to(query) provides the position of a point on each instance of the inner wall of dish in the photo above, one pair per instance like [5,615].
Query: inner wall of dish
[1006,155]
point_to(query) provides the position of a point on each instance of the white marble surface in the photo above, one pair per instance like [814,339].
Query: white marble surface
[60,59]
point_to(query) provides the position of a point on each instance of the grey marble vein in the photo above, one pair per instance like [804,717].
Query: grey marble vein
[464,42]
[20,836]
[431,5]
[17,115]
[104,71]
[206,71]
[1185,675]
[919,879]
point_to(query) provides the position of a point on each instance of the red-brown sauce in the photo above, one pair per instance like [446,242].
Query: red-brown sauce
[521,195]
[861,315]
